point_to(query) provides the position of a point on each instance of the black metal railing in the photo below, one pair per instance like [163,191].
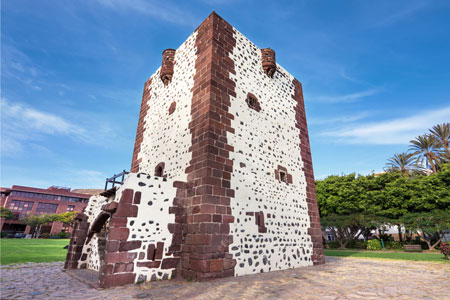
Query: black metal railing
[114,180]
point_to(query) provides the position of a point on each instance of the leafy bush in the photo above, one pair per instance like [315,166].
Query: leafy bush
[333,244]
[44,235]
[352,244]
[6,213]
[393,245]
[63,235]
[373,245]
[357,244]
[445,249]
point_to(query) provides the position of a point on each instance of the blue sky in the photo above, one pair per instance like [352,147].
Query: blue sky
[375,74]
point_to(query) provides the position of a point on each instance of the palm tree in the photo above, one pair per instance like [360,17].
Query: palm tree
[426,147]
[445,157]
[403,162]
[442,133]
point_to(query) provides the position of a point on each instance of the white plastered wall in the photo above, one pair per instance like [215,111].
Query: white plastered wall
[151,224]
[262,141]
[167,137]
[92,210]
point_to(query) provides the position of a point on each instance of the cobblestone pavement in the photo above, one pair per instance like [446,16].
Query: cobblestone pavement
[339,278]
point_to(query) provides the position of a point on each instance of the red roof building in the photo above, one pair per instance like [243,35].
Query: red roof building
[25,201]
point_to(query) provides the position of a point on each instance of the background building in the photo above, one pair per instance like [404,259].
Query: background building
[25,201]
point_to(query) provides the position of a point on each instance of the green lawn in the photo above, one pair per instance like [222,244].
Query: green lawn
[32,250]
[388,255]
[43,250]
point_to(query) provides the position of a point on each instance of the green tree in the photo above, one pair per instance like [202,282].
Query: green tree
[350,206]
[344,227]
[428,225]
[415,195]
[343,207]
[339,194]
[445,157]
[387,195]
[430,192]
[65,218]
[426,148]
[36,222]
[6,213]
[442,133]
[401,162]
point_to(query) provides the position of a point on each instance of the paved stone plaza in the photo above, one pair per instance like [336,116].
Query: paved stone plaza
[339,278]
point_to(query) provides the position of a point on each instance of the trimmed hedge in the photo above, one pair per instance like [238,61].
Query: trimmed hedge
[374,245]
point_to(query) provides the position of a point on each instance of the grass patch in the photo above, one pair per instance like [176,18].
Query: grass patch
[389,255]
[32,250]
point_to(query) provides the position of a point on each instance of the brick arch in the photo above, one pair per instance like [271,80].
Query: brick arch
[98,224]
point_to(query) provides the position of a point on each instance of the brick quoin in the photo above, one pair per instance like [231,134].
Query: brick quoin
[141,127]
[79,235]
[314,230]
[206,232]
[119,257]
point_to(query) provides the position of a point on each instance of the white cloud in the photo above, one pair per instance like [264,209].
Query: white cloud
[16,64]
[21,124]
[391,132]
[348,77]
[341,119]
[22,117]
[346,98]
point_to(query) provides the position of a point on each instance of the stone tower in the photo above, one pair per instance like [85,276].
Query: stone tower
[221,180]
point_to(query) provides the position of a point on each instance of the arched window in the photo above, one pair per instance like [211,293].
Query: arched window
[159,170]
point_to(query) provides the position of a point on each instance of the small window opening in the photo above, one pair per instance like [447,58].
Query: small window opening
[252,102]
[159,170]
[283,176]
[165,79]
